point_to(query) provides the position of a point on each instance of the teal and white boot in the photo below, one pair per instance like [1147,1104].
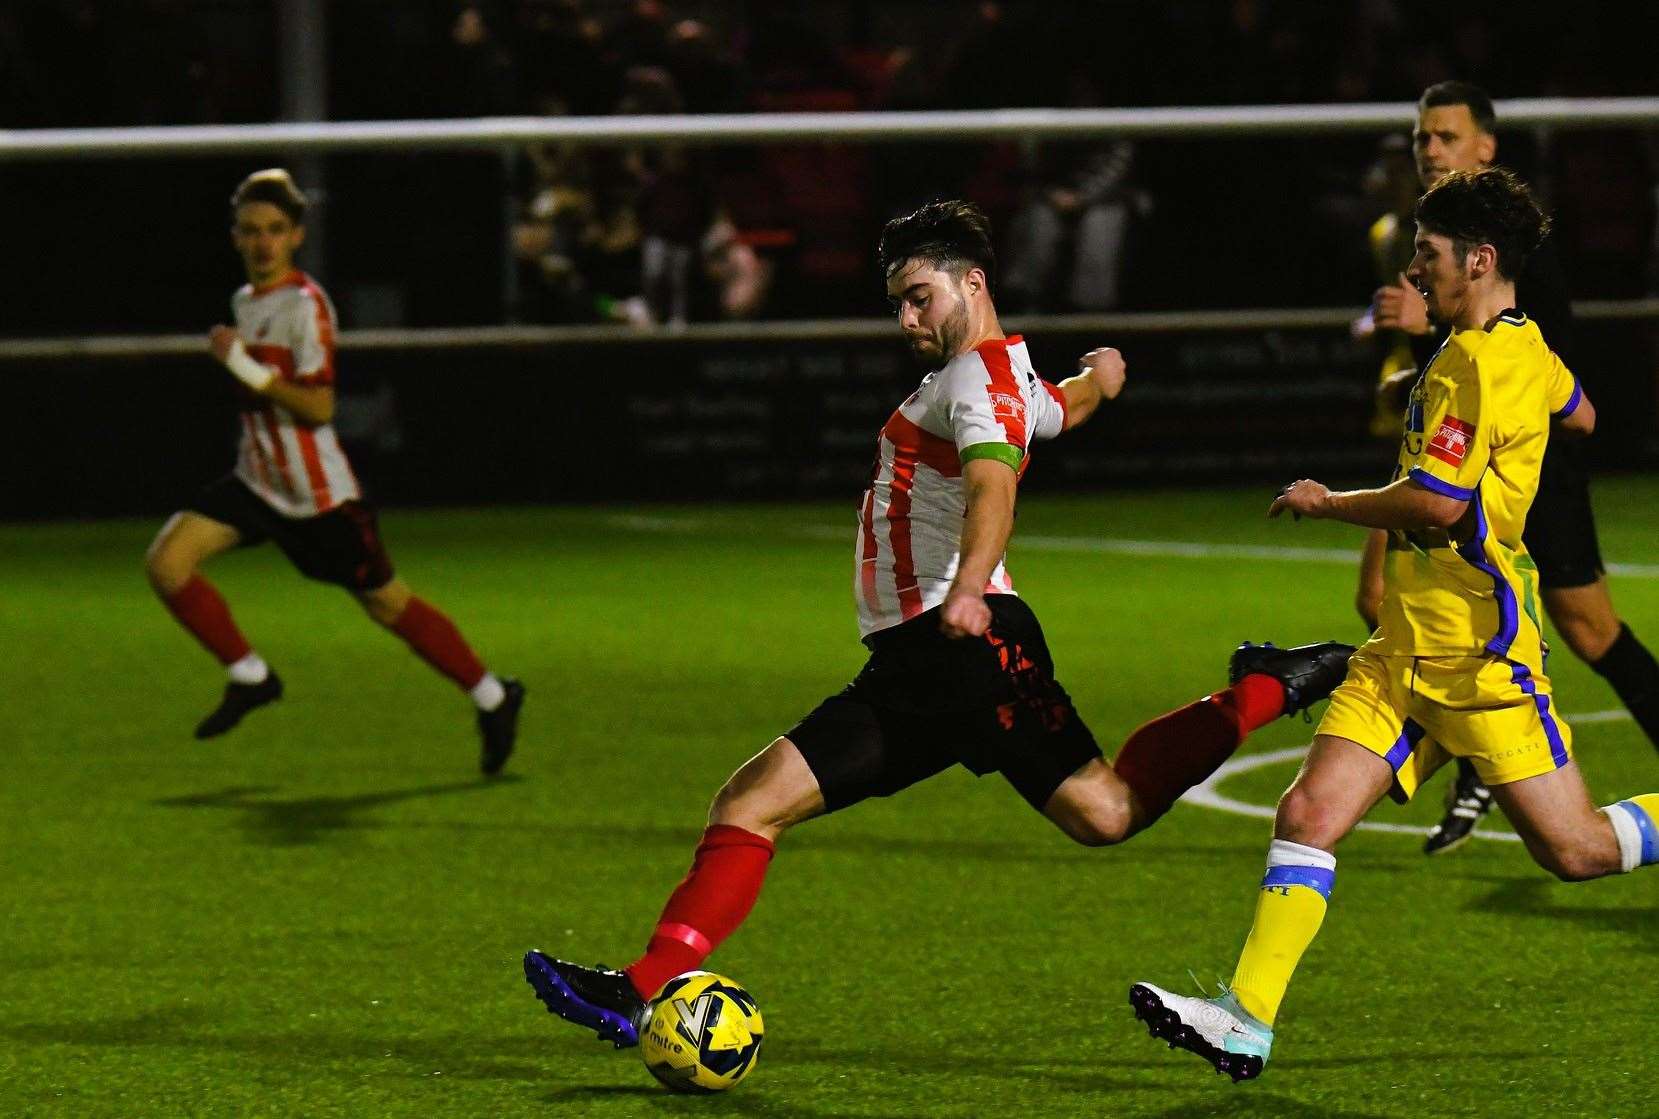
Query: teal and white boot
[1219,1029]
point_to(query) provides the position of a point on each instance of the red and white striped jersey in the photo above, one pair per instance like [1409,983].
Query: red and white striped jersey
[299,471]
[986,403]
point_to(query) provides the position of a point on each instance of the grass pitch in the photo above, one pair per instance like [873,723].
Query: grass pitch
[322,914]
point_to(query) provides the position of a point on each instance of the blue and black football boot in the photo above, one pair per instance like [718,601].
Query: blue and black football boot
[1309,673]
[595,998]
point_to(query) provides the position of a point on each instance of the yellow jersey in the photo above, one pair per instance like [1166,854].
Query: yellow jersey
[1475,429]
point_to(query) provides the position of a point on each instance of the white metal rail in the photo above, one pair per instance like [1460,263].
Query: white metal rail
[803,330]
[715,128]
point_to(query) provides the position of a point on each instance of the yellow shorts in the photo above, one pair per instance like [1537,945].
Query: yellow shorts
[1416,712]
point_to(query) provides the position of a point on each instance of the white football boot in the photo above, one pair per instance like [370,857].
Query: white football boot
[1219,1029]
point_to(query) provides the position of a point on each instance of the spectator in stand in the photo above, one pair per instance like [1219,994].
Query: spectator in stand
[709,75]
[476,76]
[564,55]
[1065,247]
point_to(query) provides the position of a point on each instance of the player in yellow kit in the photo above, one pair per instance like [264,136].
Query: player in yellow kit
[1456,667]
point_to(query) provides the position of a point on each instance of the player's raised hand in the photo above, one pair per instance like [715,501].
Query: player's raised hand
[220,339]
[1106,368]
[964,615]
[1304,498]
[233,355]
[1400,306]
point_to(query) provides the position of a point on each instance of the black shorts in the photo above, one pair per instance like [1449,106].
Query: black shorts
[1561,529]
[341,546]
[924,702]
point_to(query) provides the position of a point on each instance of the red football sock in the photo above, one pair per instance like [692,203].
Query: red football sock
[1254,701]
[201,609]
[431,634]
[706,907]
[1174,752]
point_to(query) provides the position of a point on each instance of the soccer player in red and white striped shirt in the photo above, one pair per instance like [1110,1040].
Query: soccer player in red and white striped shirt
[959,672]
[293,485]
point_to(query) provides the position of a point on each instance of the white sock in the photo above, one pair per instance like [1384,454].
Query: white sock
[1282,852]
[251,669]
[1628,833]
[488,692]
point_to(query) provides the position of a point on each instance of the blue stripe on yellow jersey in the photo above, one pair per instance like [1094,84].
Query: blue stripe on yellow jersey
[1476,428]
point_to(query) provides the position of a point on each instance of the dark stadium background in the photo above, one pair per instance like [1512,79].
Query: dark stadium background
[324,914]
[421,240]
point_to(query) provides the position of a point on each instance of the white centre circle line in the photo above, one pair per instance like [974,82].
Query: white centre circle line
[1207,795]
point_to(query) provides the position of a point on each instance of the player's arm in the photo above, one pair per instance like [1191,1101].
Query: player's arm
[1404,504]
[1099,377]
[986,527]
[312,405]
[1570,406]
[1581,420]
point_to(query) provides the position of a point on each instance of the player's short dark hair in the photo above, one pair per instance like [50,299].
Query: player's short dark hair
[1442,94]
[1489,207]
[951,235]
[274,185]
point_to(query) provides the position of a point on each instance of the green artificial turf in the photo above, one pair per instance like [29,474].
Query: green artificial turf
[323,913]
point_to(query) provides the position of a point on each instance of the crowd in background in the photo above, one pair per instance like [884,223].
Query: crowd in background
[666,233]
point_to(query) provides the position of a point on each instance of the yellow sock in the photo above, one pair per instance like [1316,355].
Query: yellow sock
[1289,911]
[1635,823]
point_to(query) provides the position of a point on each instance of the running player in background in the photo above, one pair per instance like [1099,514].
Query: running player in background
[1455,131]
[293,486]
[1456,667]
[959,673]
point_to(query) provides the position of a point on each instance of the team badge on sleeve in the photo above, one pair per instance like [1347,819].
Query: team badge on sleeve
[1451,442]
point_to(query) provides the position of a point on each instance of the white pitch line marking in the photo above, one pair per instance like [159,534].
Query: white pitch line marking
[1205,795]
[1102,545]
[1208,795]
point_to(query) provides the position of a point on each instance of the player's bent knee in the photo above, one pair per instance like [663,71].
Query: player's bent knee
[379,609]
[1574,864]
[1092,825]
[769,793]
[1588,637]
[1304,817]
[1096,831]
[166,567]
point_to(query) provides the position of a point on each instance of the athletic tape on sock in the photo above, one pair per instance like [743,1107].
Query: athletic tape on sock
[1636,833]
[1293,864]
[686,935]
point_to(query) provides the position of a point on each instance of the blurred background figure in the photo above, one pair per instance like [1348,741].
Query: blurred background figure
[1391,185]
[1066,244]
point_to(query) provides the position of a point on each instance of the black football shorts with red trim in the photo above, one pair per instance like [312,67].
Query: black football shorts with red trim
[341,546]
[925,702]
